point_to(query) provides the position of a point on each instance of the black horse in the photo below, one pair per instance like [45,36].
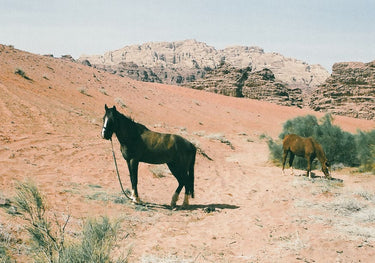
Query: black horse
[139,144]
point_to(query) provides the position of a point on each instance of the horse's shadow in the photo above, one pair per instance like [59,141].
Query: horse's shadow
[208,208]
[314,176]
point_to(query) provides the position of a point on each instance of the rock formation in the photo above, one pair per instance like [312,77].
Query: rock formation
[349,91]
[258,84]
[262,85]
[186,61]
[225,79]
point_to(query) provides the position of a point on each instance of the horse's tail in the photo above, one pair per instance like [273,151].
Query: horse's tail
[191,172]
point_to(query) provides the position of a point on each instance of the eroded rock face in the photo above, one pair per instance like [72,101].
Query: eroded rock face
[187,61]
[225,79]
[258,84]
[349,91]
[262,85]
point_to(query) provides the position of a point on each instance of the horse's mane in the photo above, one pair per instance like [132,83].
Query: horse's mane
[130,121]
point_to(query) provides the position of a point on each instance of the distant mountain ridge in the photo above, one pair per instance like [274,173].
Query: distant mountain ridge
[186,61]
[249,72]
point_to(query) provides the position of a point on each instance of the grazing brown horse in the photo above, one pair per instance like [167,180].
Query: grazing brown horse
[304,147]
[139,144]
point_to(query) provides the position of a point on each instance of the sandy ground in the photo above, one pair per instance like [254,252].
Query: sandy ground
[244,209]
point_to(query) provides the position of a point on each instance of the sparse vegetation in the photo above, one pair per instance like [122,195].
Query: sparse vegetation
[221,138]
[22,73]
[120,102]
[159,171]
[103,91]
[48,236]
[341,148]
[7,240]
[97,241]
[83,91]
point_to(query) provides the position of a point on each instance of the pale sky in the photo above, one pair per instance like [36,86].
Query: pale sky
[316,31]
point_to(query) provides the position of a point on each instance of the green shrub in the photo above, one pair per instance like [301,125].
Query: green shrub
[366,150]
[276,150]
[340,147]
[4,257]
[98,239]
[48,238]
[22,73]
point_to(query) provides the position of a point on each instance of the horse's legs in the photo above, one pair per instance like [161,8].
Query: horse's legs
[309,162]
[291,158]
[285,154]
[133,170]
[186,201]
[176,194]
[176,172]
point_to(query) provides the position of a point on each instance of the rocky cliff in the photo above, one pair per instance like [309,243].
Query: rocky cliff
[186,61]
[349,91]
[262,85]
[248,83]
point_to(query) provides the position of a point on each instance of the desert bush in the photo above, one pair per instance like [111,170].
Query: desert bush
[221,138]
[30,203]
[103,91]
[159,171]
[366,150]
[98,240]
[340,147]
[120,102]
[4,257]
[276,150]
[83,91]
[48,238]
[22,73]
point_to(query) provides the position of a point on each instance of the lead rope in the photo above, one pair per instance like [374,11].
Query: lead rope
[118,175]
[122,188]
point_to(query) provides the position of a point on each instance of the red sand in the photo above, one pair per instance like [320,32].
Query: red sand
[50,133]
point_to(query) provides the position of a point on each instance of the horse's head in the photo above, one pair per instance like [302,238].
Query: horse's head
[325,166]
[108,122]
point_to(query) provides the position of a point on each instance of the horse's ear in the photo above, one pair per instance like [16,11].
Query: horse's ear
[106,107]
[114,107]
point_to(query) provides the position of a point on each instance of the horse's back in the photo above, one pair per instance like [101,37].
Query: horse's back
[165,147]
[298,145]
[290,140]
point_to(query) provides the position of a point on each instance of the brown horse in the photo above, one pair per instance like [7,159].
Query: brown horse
[304,147]
[139,144]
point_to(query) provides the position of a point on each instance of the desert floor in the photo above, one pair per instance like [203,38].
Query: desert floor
[244,209]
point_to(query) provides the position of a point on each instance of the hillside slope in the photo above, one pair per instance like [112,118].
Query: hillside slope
[244,209]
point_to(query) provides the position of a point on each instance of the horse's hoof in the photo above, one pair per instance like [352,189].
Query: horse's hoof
[174,200]
[186,201]
[136,200]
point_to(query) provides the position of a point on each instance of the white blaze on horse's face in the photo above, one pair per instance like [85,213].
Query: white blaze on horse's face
[104,126]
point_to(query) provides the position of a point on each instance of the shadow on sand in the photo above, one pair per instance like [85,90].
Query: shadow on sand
[208,208]
[314,176]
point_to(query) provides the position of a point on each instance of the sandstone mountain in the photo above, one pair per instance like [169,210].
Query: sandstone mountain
[186,61]
[258,84]
[349,91]
[248,72]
